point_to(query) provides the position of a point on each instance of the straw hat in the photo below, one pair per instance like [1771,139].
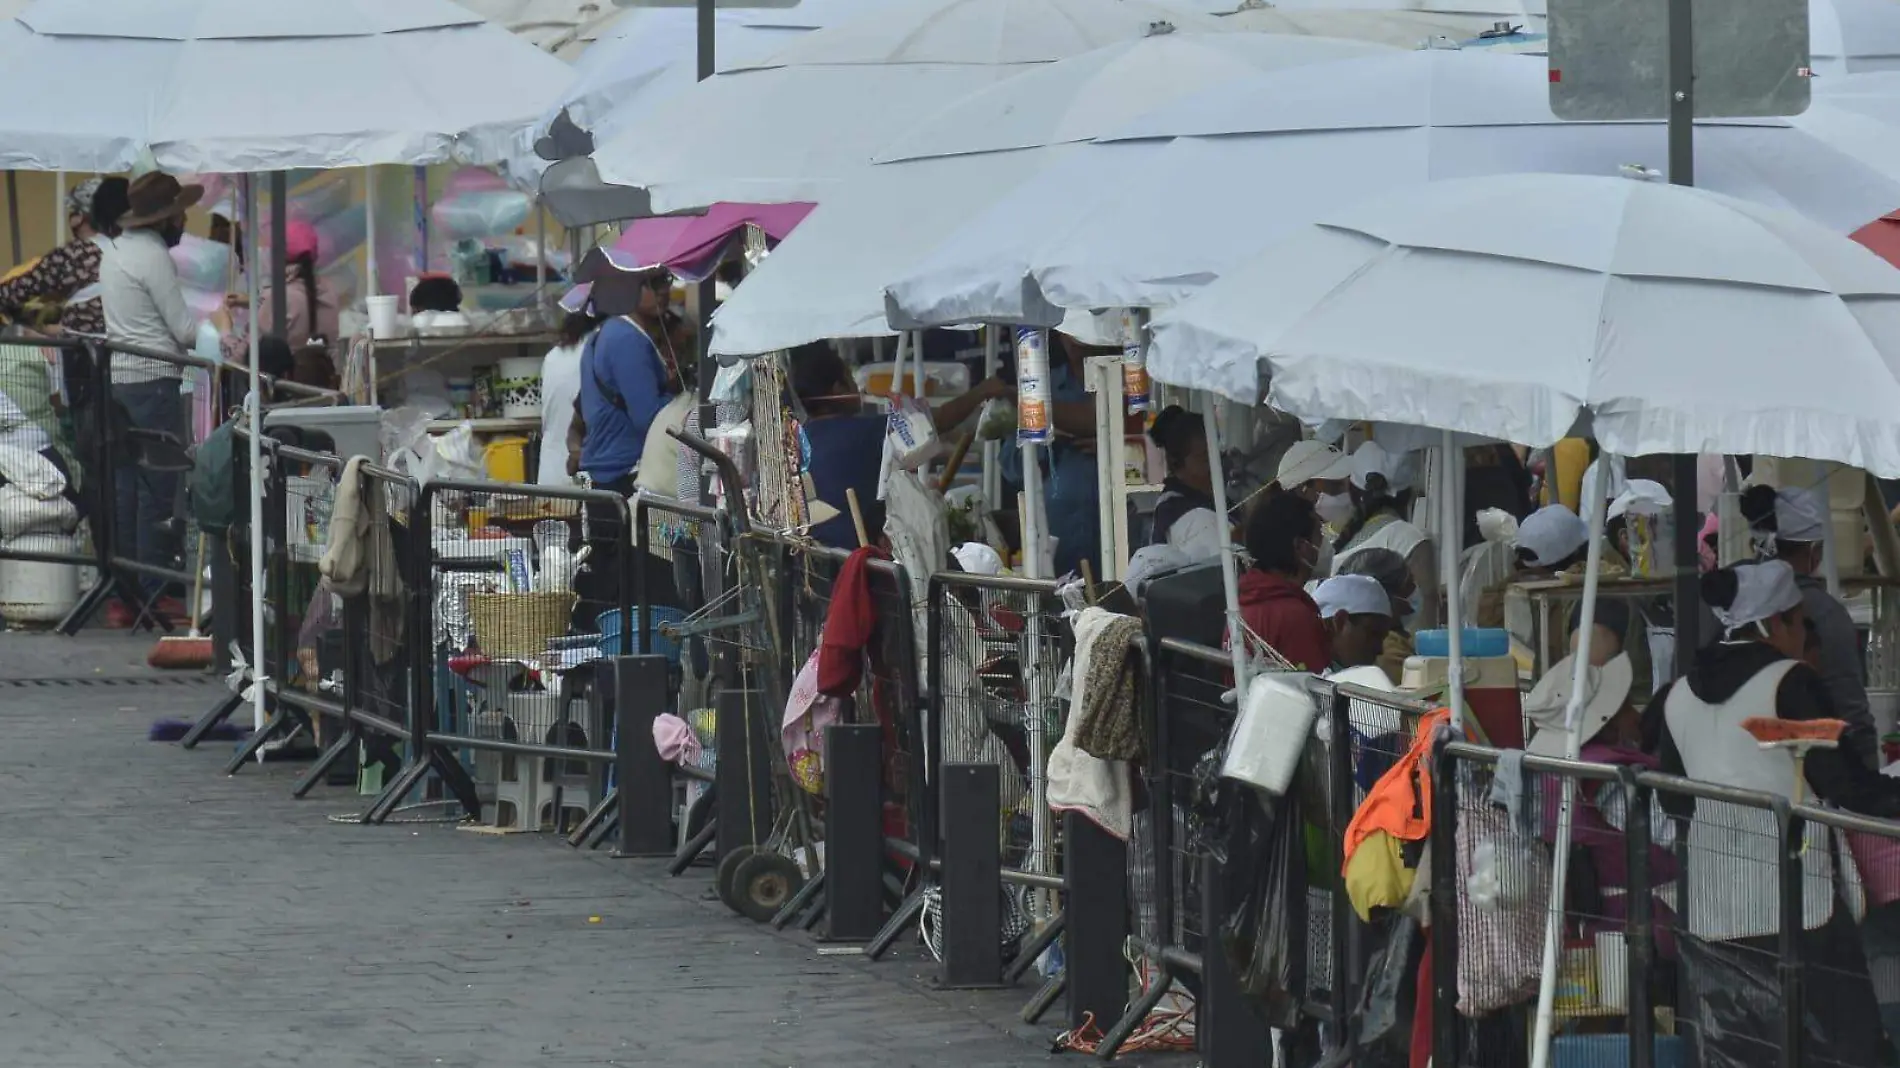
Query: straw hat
[156,197]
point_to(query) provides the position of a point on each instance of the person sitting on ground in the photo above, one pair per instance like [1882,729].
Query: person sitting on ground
[1283,543]
[1357,612]
[1184,516]
[847,446]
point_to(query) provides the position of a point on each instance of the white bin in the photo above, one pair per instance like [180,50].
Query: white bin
[35,592]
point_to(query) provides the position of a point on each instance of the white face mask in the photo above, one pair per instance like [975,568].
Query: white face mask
[1334,508]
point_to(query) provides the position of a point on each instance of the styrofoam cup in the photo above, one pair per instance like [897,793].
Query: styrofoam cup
[382,316]
[1613,971]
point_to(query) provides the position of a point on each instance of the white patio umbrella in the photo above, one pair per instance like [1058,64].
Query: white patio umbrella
[1389,310]
[243,86]
[1668,320]
[1200,184]
[1851,36]
[789,127]
[1396,27]
[827,279]
[649,54]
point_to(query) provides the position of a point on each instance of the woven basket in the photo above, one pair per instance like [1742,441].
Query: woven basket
[519,624]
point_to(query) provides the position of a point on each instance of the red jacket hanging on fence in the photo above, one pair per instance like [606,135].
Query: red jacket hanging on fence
[850,625]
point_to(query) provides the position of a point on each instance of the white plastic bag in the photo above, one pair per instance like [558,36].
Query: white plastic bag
[912,434]
[30,472]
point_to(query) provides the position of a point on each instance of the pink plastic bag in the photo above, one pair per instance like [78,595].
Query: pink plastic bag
[1878,858]
[807,714]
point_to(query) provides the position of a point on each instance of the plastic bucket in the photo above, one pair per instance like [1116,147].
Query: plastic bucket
[34,592]
[658,644]
[507,459]
[382,316]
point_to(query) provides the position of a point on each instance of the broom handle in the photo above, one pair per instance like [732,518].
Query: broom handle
[197,584]
[857,516]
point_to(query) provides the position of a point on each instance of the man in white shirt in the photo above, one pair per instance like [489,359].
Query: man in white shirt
[145,307]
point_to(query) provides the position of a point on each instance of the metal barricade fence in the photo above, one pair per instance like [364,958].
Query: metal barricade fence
[1190,989]
[361,646]
[46,484]
[145,406]
[485,633]
[798,580]
[674,539]
[1699,923]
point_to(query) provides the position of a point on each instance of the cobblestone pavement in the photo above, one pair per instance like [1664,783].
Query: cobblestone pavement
[156,913]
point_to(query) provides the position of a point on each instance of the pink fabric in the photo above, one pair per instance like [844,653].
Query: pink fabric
[300,240]
[674,738]
[688,245]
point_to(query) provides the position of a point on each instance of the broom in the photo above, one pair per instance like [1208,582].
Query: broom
[191,651]
[1797,736]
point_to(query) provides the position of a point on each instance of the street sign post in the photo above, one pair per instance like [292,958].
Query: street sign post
[1678,60]
[1613,59]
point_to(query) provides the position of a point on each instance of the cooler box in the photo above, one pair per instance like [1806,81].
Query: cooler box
[1491,692]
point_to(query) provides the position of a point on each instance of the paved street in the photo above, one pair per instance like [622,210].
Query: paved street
[155,913]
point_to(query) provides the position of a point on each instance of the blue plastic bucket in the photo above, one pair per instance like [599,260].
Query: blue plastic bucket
[657,643]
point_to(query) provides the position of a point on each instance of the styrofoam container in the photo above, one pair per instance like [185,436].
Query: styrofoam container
[35,592]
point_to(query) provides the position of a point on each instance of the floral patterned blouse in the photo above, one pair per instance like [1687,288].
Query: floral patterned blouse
[61,273]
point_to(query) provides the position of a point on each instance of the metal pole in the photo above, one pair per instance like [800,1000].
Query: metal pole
[1450,528]
[279,227]
[254,406]
[13,215]
[708,288]
[1573,720]
[1682,172]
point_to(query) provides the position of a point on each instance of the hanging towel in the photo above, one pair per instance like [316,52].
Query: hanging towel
[1105,699]
[1099,789]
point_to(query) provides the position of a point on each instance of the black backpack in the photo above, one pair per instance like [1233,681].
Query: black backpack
[218,492]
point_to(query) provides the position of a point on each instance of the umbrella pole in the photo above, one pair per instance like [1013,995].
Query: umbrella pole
[13,215]
[254,403]
[1573,746]
[1449,528]
[992,450]
[1229,570]
[372,284]
[279,269]
[61,234]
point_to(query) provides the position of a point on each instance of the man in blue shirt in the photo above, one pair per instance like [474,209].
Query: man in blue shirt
[847,446]
[628,371]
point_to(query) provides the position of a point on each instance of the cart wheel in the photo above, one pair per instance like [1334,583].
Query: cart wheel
[764,883]
[725,878]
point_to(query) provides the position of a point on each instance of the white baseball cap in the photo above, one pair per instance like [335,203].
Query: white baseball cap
[1355,595]
[1308,460]
[1552,534]
[1371,459]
